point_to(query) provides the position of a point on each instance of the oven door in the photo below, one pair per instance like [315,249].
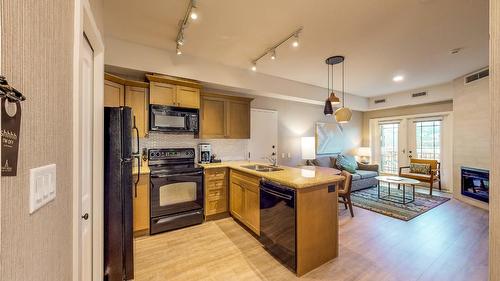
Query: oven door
[176,193]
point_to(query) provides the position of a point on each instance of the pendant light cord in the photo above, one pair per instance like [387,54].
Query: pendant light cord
[328,90]
[343,77]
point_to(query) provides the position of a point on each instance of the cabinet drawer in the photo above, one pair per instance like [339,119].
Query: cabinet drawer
[215,207]
[215,174]
[216,194]
[216,185]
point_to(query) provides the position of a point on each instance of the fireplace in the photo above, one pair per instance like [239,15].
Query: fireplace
[476,183]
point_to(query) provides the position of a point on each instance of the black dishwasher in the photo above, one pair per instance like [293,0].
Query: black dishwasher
[277,222]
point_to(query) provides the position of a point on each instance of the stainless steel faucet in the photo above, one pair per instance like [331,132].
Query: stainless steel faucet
[272,159]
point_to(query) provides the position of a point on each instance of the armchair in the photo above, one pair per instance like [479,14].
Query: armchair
[434,174]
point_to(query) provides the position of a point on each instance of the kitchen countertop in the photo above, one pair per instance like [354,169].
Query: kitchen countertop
[298,178]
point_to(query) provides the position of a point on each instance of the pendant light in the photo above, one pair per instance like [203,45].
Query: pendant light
[328,110]
[333,98]
[343,114]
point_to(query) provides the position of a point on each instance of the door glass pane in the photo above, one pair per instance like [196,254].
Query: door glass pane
[428,134]
[177,193]
[389,134]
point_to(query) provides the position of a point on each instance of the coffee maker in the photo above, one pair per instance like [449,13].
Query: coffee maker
[204,153]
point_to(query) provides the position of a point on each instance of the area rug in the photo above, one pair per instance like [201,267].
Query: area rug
[368,199]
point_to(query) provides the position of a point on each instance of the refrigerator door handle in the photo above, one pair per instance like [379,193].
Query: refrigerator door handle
[138,157]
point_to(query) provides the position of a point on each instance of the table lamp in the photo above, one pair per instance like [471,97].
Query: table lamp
[364,154]
[308,145]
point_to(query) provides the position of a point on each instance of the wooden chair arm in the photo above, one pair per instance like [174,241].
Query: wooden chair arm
[401,169]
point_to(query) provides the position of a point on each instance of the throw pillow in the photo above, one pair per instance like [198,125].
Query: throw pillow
[347,162]
[417,168]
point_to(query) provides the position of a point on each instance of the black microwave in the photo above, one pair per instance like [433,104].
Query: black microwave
[173,119]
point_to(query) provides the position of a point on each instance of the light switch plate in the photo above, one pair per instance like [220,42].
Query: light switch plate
[42,186]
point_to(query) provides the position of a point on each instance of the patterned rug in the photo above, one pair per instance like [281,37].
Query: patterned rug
[368,199]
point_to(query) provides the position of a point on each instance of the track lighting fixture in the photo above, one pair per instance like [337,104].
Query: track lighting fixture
[191,13]
[272,51]
[295,42]
[254,66]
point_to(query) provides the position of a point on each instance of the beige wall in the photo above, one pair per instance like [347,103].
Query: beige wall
[495,110]
[97,7]
[37,44]
[444,106]
[296,120]
[471,131]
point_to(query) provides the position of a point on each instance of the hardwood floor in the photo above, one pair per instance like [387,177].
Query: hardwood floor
[449,242]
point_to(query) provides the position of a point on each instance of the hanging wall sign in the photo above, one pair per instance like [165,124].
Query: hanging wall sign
[10,104]
[11,124]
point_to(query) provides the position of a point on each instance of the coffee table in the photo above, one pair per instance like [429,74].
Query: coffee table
[399,181]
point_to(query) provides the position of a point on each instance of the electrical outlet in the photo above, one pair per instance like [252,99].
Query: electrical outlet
[283,155]
[42,186]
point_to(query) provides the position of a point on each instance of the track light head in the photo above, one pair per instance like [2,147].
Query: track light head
[295,42]
[254,66]
[194,14]
[179,52]
[273,54]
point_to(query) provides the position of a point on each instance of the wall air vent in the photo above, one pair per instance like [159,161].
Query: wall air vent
[476,76]
[421,94]
[379,101]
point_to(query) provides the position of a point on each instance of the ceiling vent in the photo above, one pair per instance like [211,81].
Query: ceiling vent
[476,76]
[379,101]
[421,94]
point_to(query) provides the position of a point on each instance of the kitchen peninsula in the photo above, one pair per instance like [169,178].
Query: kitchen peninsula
[235,188]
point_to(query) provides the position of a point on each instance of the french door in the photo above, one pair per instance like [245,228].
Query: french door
[390,146]
[425,139]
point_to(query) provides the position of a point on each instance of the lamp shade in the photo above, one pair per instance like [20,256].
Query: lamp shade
[364,151]
[328,110]
[343,115]
[308,145]
[334,99]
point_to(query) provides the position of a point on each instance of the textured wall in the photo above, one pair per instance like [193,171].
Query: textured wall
[401,111]
[37,42]
[471,131]
[495,109]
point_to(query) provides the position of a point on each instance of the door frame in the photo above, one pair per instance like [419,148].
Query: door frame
[84,22]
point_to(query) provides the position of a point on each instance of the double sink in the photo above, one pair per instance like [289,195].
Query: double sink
[262,168]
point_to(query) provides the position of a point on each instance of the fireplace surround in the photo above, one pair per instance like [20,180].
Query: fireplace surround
[476,183]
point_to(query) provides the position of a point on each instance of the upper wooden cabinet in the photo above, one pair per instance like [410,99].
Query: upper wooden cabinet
[114,91]
[171,91]
[119,91]
[137,98]
[224,117]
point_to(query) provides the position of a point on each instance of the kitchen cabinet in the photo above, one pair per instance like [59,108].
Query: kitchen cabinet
[137,98]
[245,199]
[216,199]
[171,91]
[224,117]
[114,91]
[141,205]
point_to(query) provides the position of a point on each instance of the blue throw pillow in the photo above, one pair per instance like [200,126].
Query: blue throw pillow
[347,162]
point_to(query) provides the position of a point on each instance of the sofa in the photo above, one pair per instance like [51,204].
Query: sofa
[363,178]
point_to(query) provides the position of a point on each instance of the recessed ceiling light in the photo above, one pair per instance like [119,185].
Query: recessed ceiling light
[398,78]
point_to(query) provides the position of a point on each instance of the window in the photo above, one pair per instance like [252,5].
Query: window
[389,147]
[428,141]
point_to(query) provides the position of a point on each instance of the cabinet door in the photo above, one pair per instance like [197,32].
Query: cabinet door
[162,93]
[141,206]
[238,121]
[237,200]
[213,116]
[187,97]
[137,99]
[114,94]
[252,207]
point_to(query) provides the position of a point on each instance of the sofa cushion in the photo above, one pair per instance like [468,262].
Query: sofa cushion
[323,162]
[347,162]
[414,176]
[366,174]
[356,177]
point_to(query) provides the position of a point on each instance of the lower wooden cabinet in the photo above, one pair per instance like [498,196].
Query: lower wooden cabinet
[215,191]
[141,205]
[245,199]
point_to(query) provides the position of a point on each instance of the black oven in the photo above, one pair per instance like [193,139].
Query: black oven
[176,189]
[173,119]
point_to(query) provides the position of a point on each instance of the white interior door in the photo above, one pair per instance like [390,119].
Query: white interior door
[86,149]
[263,134]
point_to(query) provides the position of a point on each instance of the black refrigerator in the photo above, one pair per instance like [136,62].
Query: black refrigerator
[118,213]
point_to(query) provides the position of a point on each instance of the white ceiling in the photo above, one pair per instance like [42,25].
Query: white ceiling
[380,38]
